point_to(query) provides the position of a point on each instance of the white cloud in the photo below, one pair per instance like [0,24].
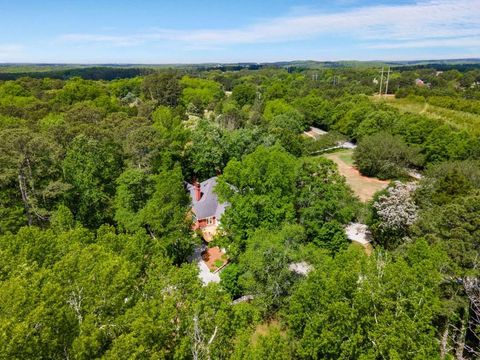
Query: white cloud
[430,43]
[400,25]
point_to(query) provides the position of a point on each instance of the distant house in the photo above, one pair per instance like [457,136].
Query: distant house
[206,208]
[419,82]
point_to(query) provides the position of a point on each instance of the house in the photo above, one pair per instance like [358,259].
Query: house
[419,82]
[207,212]
[206,208]
[314,133]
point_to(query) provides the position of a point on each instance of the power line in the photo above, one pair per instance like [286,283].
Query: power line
[381,83]
[388,78]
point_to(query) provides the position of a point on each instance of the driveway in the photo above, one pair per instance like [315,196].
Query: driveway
[204,272]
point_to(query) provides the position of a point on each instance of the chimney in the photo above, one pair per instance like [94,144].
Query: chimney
[197,191]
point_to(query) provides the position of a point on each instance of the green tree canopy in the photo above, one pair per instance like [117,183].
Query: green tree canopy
[91,167]
[367,308]
[201,93]
[385,156]
[260,190]
[162,87]
[244,94]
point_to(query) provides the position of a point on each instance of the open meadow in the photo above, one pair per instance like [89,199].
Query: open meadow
[460,120]
[363,186]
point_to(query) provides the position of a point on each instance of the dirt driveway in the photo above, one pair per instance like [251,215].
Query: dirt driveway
[363,186]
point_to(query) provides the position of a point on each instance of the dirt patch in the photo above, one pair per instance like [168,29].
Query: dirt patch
[214,258]
[363,186]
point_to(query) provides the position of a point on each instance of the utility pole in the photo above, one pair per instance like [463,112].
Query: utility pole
[388,78]
[381,83]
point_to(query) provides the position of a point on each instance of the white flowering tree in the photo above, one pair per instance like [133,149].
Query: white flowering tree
[394,212]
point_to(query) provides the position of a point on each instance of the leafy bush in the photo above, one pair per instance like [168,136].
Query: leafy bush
[385,156]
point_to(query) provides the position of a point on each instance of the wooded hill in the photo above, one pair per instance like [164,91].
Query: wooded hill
[96,230]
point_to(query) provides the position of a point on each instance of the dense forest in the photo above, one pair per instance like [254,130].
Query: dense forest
[96,236]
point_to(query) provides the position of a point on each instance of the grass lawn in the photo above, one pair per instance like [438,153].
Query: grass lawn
[363,186]
[347,157]
[219,263]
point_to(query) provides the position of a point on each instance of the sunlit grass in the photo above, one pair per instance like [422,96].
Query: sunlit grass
[458,119]
[347,157]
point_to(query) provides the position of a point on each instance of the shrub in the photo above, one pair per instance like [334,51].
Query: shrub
[385,156]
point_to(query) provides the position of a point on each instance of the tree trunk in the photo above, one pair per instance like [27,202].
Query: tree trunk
[23,191]
[460,348]
[444,342]
[472,289]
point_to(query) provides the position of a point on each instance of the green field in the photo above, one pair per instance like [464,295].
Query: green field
[458,119]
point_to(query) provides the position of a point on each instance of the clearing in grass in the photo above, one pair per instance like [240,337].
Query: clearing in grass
[363,186]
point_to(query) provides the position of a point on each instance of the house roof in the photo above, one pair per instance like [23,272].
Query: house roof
[314,133]
[208,205]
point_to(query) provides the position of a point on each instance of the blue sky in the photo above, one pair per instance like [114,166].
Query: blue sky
[188,31]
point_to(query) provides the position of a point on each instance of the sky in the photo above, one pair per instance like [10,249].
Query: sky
[222,31]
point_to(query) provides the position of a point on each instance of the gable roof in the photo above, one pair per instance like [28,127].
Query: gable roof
[208,205]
